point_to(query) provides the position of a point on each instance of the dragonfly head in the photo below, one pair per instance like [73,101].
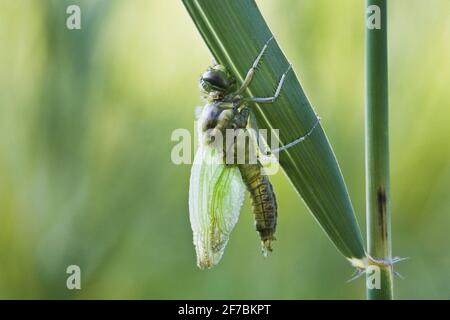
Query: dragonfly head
[216,81]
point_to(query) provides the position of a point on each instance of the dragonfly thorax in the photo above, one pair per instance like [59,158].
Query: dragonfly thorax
[216,118]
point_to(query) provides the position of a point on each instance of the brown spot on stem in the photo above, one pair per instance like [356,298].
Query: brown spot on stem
[381,200]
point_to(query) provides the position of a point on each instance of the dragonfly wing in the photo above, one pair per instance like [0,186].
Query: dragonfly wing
[216,194]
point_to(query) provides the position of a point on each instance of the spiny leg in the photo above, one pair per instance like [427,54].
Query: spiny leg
[249,77]
[253,125]
[277,91]
[296,141]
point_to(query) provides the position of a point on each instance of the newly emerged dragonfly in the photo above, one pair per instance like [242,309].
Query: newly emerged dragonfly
[217,187]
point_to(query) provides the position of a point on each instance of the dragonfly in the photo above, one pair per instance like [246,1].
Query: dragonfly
[217,185]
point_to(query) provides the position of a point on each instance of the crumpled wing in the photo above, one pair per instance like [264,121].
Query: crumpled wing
[216,194]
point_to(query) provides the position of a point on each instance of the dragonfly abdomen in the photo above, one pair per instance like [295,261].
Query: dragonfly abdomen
[263,201]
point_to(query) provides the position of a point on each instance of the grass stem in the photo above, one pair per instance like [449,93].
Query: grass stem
[377,147]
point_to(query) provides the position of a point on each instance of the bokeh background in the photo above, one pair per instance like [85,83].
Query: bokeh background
[85,140]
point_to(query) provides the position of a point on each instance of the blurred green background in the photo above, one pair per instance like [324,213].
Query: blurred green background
[85,172]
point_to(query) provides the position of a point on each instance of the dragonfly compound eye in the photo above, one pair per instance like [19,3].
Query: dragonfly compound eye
[214,80]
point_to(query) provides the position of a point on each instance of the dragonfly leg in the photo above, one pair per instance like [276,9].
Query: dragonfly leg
[248,79]
[296,141]
[275,96]
[264,152]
